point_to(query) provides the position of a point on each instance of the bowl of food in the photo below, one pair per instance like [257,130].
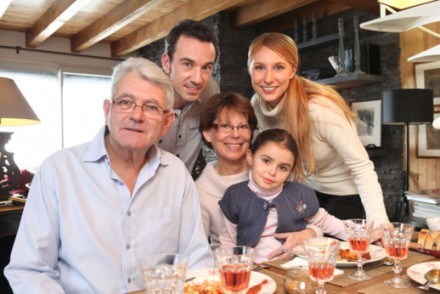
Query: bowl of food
[433,223]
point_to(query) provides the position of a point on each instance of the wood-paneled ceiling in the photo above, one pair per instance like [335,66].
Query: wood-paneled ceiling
[129,25]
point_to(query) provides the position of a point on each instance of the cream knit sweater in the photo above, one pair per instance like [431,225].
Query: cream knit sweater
[211,186]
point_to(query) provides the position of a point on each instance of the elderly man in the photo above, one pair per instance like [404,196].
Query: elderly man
[93,210]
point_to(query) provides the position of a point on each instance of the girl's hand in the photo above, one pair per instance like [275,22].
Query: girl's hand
[292,239]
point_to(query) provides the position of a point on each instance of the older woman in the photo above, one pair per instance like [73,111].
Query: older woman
[227,122]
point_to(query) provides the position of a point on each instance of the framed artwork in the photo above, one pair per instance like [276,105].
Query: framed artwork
[428,138]
[369,122]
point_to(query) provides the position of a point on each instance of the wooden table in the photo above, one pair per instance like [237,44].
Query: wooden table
[380,272]
[343,285]
[10,216]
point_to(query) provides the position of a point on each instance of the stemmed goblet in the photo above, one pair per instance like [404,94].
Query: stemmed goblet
[396,238]
[321,256]
[358,236]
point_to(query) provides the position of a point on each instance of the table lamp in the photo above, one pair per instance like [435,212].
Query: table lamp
[14,111]
[405,107]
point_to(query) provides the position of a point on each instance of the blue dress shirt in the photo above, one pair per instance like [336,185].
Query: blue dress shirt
[82,232]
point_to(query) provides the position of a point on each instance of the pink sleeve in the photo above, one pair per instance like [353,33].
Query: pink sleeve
[228,233]
[328,223]
[317,230]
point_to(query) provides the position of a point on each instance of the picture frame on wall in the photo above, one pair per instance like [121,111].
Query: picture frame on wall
[369,122]
[428,138]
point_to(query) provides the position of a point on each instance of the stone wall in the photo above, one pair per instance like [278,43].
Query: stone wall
[231,73]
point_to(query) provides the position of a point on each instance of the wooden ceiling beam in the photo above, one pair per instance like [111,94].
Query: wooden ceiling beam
[126,12]
[262,10]
[366,5]
[58,14]
[195,9]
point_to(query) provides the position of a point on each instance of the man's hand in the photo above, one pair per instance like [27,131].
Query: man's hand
[293,239]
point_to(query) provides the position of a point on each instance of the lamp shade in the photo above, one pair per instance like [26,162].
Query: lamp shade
[407,106]
[14,109]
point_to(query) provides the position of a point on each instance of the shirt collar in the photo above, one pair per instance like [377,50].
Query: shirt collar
[96,148]
[96,151]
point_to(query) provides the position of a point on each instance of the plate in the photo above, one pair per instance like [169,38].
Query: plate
[213,275]
[417,272]
[376,252]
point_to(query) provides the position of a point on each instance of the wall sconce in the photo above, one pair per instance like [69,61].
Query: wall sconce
[14,111]
[406,20]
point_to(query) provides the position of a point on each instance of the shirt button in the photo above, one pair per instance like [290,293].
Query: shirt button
[180,136]
[128,246]
[129,280]
[129,213]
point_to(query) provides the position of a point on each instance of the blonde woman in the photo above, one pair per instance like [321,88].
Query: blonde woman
[335,163]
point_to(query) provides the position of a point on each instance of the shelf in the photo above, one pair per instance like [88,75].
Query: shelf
[352,80]
[319,41]
[405,20]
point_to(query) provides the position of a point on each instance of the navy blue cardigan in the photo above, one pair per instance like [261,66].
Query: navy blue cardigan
[249,212]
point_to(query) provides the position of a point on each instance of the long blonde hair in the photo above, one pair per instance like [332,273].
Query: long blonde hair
[295,110]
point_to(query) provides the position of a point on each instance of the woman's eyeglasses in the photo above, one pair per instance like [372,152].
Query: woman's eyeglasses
[226,128]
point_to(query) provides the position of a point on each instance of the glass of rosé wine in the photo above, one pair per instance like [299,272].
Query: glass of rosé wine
[321,254]
[235,265]
[358,237]
[396,239]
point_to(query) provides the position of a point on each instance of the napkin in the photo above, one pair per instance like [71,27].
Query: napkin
[299,261]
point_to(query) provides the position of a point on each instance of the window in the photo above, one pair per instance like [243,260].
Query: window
[83,114]
[68,105]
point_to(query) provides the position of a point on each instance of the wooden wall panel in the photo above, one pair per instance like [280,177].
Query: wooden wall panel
[424,172]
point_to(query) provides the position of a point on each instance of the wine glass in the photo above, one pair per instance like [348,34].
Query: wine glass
[396,238]
[358,236]
[321,256]
[164,273]
[235,264]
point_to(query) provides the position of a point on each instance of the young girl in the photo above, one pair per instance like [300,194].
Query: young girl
[255,210]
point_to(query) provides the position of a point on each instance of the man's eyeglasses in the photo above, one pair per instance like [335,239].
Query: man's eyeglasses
[226,128]
[150,109]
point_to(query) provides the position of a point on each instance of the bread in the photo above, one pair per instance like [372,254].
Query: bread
[422,238]
[429,240]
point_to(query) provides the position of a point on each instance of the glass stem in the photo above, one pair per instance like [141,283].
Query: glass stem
[320,289]
[397,269]
[359,262]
